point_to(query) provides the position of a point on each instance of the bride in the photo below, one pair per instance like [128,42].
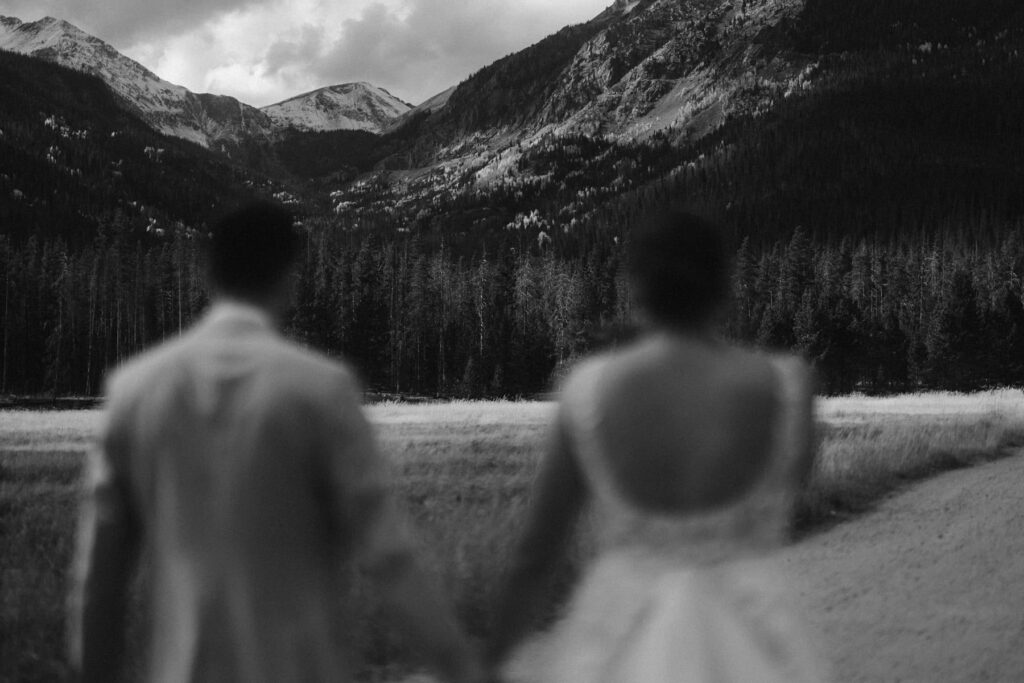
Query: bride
[690,452]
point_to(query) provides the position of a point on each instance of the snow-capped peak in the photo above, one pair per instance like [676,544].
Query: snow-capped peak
[348,106]
[206,119]
[53,39]
[169,108]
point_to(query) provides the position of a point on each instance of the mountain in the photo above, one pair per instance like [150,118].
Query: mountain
[635,69]
[209,120]
[741,106]
[214,121]
[595,110]
[644,79]
[350,106]
[75,163]
[638,70]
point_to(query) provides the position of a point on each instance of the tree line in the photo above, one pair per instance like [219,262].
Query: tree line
[872,315]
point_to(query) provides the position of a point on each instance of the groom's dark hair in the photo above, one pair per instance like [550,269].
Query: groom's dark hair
[251,248]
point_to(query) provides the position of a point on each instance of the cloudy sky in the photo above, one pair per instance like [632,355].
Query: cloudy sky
[263,51]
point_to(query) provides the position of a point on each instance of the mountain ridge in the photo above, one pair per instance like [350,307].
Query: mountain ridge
[665,71]
[74,161]
[219,122]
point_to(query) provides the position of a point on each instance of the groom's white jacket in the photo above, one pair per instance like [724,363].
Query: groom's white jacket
[243,469]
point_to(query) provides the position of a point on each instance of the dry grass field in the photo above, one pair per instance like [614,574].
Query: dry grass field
[463,471]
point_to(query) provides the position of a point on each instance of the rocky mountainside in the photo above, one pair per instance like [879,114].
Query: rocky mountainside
[658,74]
[644,91]
[635,69]
[350,106]
[217,122]
[76,164]
[638,69]
[213,121]
[744,104]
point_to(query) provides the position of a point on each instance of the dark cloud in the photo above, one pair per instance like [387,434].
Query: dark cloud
[306,49]
[414,48]
[434,46]
[376,45]
[123,22]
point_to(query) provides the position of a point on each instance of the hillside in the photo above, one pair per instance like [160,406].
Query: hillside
[208,120]
[634,70]
[921,111]
[74,161]
[214,121]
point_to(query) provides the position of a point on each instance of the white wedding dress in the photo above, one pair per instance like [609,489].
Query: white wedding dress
[694,598]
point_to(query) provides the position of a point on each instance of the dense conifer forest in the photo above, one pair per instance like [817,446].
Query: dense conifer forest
[871,314]
[877,220]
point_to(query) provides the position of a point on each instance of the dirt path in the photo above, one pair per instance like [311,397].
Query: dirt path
[927,588]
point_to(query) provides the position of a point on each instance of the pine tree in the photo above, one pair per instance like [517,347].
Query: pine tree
[952,340]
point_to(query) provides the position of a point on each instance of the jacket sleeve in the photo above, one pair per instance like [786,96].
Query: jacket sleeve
[107,546]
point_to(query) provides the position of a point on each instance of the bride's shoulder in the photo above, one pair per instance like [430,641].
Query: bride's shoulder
[584,376]
[756,364]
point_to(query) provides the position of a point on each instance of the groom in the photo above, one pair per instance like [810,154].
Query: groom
[246,468]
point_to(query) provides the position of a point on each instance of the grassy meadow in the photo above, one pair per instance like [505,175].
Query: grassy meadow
[463,471]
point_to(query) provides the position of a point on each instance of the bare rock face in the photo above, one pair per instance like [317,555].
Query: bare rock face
[678,60]
[639,67]
[652,67]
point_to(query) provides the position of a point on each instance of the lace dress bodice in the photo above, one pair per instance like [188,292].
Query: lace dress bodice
[754,523]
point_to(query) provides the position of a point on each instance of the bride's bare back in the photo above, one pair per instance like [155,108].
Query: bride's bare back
[684,424]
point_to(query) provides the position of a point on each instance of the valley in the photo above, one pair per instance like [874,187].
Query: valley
[865,162]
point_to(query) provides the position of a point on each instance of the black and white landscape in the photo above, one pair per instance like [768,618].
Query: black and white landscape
[868,158]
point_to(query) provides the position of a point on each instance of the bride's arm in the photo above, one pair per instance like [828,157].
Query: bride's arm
[557,497]
[809,432]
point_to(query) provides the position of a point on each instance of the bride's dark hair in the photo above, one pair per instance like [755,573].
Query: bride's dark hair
[679,267]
